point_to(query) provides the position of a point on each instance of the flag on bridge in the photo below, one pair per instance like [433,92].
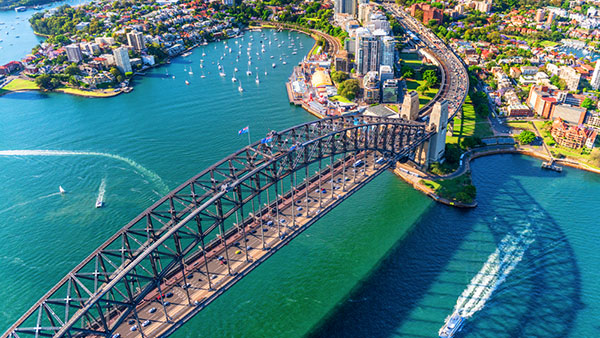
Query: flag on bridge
[266,140]
[243,130]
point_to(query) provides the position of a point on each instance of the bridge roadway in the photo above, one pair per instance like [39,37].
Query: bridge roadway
[455,80]
[188,293]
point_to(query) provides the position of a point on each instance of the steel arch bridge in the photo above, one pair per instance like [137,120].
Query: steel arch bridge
[193,244]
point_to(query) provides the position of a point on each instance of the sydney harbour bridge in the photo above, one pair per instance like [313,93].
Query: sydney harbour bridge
[192,245]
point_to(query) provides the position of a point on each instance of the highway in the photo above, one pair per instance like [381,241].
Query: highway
[455,80]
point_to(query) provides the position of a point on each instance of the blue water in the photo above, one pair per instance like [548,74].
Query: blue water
[388,262]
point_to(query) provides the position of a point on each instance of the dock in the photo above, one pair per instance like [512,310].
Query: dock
[551,166]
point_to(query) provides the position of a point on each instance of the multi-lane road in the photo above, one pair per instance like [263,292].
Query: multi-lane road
[455,80]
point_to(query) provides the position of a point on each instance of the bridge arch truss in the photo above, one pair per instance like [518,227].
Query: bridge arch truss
[212,212]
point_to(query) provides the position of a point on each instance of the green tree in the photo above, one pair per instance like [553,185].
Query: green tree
[339,76]
[588,103]
[349,89]
[526,137]
[44,81]
[72,70]
[430,77]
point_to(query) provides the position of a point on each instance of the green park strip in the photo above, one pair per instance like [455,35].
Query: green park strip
[526,125]
[458,189]
[20,85]
[425,97]
[340,99]
[469,124]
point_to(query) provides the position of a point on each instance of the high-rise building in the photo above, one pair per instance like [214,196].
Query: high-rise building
[364,13]
[596,76]
[135,39]
[228,2]
[371,88]
[550,19]
[410,106]
[438,121]
[388,46]
[571,77]
[74,52]
[367,53]
[122,59]
[346,6]
[539,15]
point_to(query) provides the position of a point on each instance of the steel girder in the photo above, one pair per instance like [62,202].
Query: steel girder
[105,288]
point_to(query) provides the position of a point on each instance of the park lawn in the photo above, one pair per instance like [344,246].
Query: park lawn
[548,43]
[527,125]
[412,84]
[449,188]
[545,135]
[340,98]
[393,107]
[470,124]
[21,84]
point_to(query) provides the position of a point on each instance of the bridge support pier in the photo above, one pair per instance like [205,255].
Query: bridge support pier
[434,149]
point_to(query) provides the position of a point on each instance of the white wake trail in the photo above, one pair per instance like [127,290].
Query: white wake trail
[101,191]
[494,272]
[146,172]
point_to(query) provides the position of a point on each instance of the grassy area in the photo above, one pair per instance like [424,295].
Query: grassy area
[79,92]
[457,189]
[545,134]
[527,125]
[21,84]
[393,107]
[469,124]
[548,43]
[340,98]
[425,97]
[411,59]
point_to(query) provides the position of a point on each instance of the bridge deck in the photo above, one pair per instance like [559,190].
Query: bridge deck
[297,212]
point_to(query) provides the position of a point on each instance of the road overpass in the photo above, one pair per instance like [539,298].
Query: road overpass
[195,243]
[454,84]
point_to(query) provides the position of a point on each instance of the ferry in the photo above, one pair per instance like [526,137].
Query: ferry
[453,325]
[186,54]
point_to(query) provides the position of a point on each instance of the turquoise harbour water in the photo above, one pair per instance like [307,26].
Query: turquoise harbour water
[386,263]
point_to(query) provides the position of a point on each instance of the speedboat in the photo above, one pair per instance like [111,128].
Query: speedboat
[187,82]
[233,79]
[249,72]
[99,203]
[274,65]
[453,325]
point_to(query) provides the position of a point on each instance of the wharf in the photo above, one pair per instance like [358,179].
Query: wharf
[551,166]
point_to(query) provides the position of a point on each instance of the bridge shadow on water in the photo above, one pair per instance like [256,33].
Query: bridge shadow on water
[413,285]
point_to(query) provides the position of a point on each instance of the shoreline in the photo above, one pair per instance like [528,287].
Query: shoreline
[101,95]
[466,169]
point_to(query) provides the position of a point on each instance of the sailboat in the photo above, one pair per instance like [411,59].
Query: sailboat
[257,80]
[240,89]
[233,79]
[61,189]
